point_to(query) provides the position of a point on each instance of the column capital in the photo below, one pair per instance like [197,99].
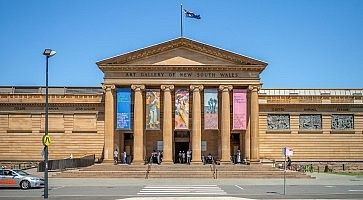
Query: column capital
[167,88]
[138,87]
[196,88]
[108,87]
[254,88]
[225,88]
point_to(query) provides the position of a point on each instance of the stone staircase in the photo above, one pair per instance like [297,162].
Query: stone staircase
[178,171]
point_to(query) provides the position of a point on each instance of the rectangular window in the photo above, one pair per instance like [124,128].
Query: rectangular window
[310,122]
[342,122]
[278,122]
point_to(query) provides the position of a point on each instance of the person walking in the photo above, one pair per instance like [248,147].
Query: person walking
[189,156]
[124,156]
[115,156]
[288,163]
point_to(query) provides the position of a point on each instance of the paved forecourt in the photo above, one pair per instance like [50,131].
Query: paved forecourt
[324,186]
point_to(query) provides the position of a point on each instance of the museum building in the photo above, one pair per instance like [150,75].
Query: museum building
[182,95]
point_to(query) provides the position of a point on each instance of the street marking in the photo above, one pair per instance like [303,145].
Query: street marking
[56,188]
[329,186]
[239,187]
[355,190]
[182,190]
[183,198]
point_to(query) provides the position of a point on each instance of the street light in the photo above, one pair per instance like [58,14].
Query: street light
[48,53]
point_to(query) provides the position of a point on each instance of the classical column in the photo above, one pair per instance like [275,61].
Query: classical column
[247,142]
[226,124]
[109,123]
[138,124]
[254,123]
[197,125]
[167,125]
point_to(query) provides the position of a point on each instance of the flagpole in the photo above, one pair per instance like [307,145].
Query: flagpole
[181,20]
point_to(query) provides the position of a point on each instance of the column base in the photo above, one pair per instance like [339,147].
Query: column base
[225,162]
[255,162]
[196,163]
[167,162]
[138,162]
[108,161]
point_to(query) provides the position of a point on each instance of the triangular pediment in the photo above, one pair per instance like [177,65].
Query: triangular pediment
[180,56]
[181,51]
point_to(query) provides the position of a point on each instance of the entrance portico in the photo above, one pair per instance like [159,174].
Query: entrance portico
[182,64]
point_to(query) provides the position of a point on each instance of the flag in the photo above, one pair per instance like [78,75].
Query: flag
[191,14]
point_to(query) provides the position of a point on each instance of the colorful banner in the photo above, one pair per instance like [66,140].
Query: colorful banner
[123,108]
[182,109]
[153,109]
[239,109]
[210,109]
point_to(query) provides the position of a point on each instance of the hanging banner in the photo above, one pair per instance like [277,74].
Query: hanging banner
[182,109]
[123,108]
[153,109]
[239,109]
[210,109]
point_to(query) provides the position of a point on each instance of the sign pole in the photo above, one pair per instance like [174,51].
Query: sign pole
[285,172]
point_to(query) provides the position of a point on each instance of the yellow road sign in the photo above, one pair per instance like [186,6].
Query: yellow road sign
[46,140]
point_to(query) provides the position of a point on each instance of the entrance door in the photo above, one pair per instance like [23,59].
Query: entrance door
[181,147]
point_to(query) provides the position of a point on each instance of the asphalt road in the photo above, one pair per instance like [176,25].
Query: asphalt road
[323,187]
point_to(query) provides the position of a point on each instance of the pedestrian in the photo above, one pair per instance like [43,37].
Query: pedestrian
[115,156]
[238,157]
[210,159]
[158,157]
[180,157]
[154,157]
[288,163]
[124,156]
[183,157]
[189,156]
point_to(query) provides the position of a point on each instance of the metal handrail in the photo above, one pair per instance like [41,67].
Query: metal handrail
[67,163]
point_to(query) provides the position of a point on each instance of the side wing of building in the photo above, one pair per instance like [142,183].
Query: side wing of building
[76,122]
[318,124]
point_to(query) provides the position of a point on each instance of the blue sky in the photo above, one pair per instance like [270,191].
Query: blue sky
[307,43]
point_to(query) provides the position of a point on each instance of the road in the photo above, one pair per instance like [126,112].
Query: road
[323,187]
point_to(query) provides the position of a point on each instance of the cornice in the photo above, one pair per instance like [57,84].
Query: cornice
[72,104]
[119,67]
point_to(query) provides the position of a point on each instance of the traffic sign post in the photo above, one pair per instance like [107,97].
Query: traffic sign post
[286,151]
[46,140]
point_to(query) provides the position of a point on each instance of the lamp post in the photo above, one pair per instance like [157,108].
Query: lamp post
[48,53]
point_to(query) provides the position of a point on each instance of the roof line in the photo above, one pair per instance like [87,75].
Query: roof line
[137,49]
[212,46]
